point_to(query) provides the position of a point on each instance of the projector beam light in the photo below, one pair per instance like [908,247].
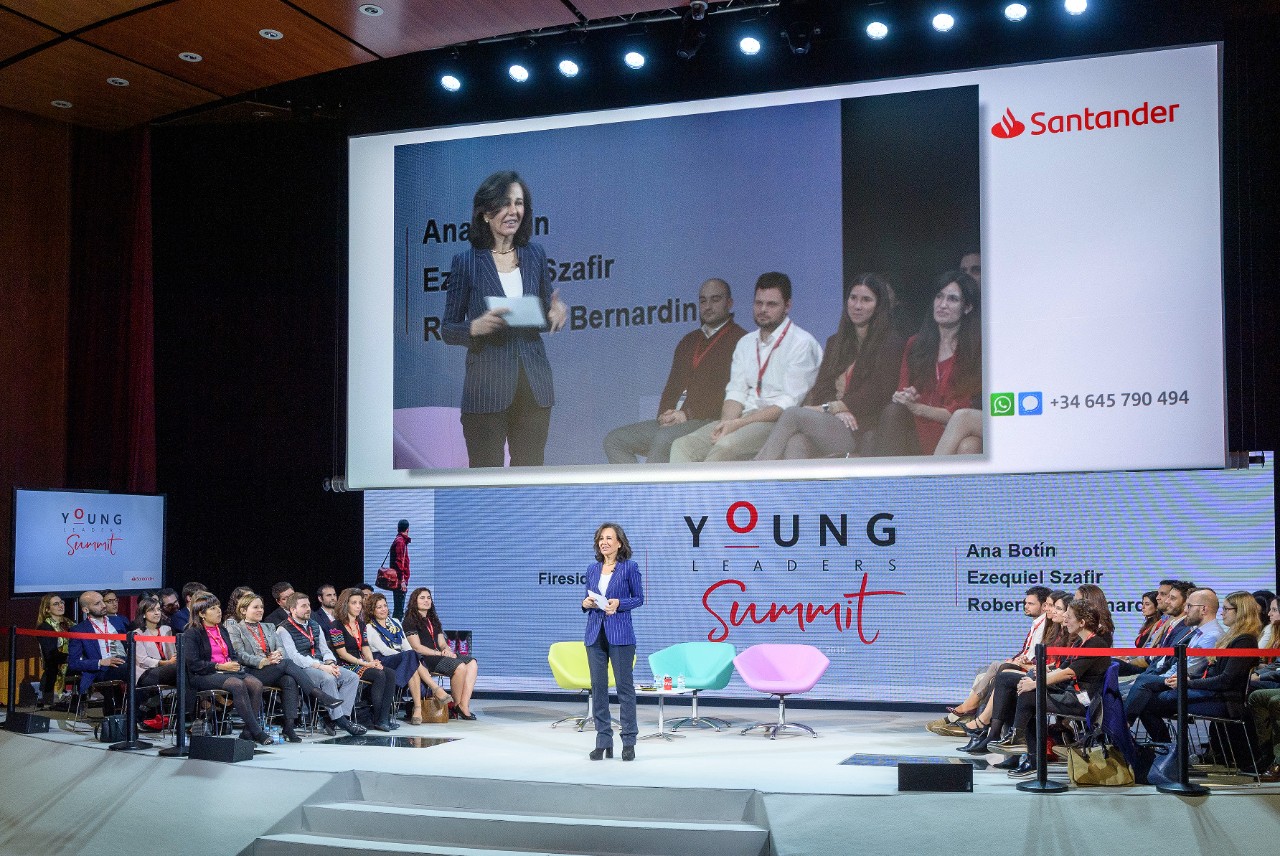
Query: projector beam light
[943,22]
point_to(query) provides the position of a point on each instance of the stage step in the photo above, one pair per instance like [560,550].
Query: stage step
[300,844]
[527,831]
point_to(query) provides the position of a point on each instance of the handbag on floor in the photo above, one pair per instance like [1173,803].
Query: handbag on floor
[1093,762]
[435,711]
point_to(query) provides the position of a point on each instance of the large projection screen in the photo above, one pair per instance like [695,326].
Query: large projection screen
[1091,188]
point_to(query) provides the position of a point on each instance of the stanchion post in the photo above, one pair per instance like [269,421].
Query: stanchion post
[13,672]
[1041,784]
[1183,785]
[131,741]
[179,749]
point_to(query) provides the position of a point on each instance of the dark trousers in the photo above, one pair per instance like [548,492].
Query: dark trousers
[292,680]
[599,656]
[1137,705]
[166,674]
[245,690]
[397,603]
[523,427]
[1205,703]
[1059,701]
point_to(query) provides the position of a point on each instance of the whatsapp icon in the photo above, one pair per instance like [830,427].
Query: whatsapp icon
[1002,404]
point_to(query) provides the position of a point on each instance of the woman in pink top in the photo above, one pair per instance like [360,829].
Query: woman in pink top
[211,664]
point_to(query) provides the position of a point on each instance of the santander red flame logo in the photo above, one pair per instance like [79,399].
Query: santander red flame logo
[1008,127]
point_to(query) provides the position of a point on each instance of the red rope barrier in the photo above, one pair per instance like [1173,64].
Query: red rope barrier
[118,637]
[1162,652]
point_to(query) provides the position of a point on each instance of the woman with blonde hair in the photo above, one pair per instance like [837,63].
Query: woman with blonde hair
[52,615]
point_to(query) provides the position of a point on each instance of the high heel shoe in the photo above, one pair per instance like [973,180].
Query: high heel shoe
[416,718]
[628,753]
[262,738]
[290,736]
[443,698]
[599,754]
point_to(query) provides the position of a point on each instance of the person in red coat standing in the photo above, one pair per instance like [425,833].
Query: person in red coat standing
[399,560]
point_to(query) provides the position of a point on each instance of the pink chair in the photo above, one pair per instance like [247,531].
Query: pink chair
[781,670]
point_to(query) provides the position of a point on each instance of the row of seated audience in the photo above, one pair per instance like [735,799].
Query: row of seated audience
[322,655]
[998,713]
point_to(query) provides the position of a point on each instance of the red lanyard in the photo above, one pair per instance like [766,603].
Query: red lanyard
[353,630]
[311,637]
[765,365]
[257,631]
[701,350]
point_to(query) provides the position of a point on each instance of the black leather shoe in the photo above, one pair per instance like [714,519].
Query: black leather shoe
[328,702]
[1024,770]
[355,729]
[290,736]
[326,726]
[393,725]
[628,753]
[974,738]
[1014,744]
[1010,763]
[380,726]
[599,754]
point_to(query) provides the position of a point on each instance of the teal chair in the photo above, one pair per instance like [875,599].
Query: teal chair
[705,666]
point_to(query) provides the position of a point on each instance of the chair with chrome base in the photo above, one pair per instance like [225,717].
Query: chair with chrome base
[781,670]
[568,662]
[705,666]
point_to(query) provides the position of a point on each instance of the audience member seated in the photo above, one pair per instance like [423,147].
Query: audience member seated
[209,659]
[1033,607]
[1095,596]
[856,379]
[52,616]
[168,604]
[1221,690]
[1005,685]
[326,603]
[258,650]
[1198,628]
[178,621]
[96,660]
[154,663]
[941,372]
[1072,686]
[426,636]
[1264,700]
[303,643]
[280,593]
[347,639]
[390,645]
[111,602]
[234,612]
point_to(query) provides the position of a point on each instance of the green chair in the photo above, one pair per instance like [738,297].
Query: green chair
[705,666]
[568,662]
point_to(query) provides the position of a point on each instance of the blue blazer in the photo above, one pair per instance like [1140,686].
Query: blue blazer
[493,361]
[84,655]
[627,588]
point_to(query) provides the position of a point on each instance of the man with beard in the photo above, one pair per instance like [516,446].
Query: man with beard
[694,393]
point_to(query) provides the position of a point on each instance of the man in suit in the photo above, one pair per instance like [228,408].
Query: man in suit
[96,660]
[1199,628]
[303,643]
[770,372]
[281,592]
[111,601]
[327,600]
[179,620]
[694,393]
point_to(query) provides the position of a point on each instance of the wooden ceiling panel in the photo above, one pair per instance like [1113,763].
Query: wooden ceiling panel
[597,9]
[225,33]
[406,26]
[76,72]
[67,16]
[17,34]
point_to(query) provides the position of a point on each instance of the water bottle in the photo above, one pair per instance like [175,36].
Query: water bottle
[680,682]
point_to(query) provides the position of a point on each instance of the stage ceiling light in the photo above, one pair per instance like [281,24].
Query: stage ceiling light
[568,68]
[518,73]
[693,31]
[451,83]
[877,30]
[1076,7]
[943,22]
[749,45]
[799,36]
[634,59]
[1015,12]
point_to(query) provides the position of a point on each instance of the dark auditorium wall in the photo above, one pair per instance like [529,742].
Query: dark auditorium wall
[248,273]
[35,229]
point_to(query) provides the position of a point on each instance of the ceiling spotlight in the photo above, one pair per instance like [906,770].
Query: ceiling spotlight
[188,56]
[271,35]
[749,45]
[1076,7]
[371,10]
[117,81]
[877,30]
[450,83]
[634,59]
[568,68]
[697,9]
[943,22]
[518,73]
[799,36]
[693,32]
[1015,12]
[61,104]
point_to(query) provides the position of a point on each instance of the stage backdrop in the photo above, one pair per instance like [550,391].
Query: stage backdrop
[908,584]
[1092,187]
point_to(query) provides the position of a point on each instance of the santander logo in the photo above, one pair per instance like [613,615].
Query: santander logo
[1087,119]
[1008,127]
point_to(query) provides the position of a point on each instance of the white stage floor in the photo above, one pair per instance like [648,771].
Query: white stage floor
[513,741]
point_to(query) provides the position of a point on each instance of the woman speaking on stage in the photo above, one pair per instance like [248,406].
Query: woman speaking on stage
[507,392]
[610,638]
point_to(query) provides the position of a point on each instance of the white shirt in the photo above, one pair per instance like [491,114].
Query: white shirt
[512,284]
[790,368]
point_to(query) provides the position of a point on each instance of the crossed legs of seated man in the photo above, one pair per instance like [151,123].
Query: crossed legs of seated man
[344,685]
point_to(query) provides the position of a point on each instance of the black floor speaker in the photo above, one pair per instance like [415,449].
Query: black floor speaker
[228,749]
[946,778]
[27,723]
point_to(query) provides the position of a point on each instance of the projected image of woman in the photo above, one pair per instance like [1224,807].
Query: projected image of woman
[941,374]
[507,391]
[610,637]
[858,375]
